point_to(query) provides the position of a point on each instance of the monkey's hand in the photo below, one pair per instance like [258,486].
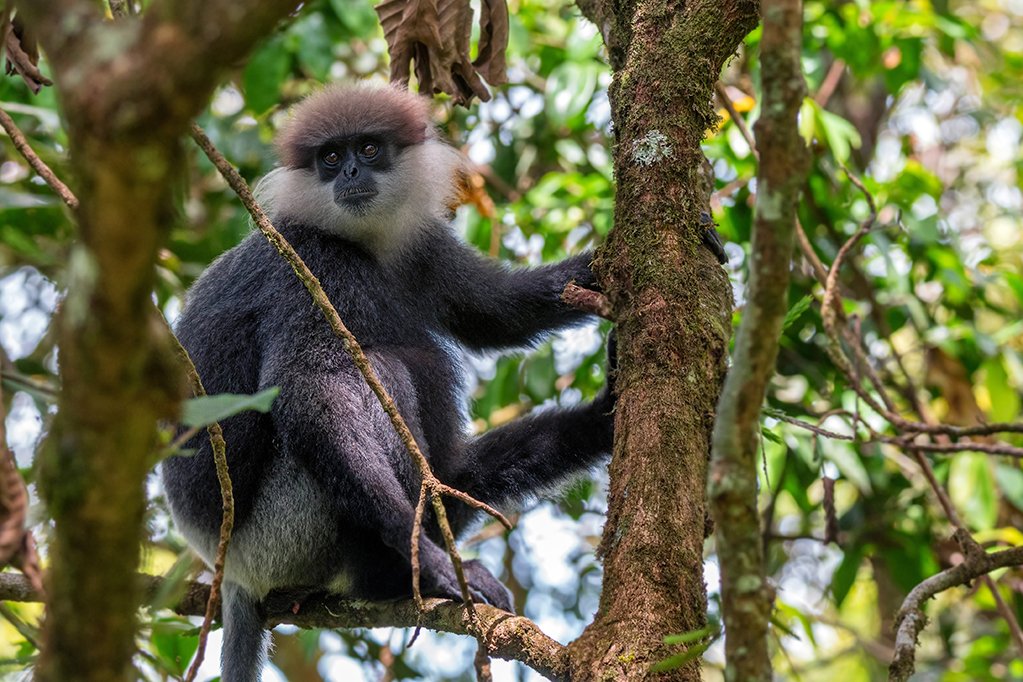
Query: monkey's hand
[583,271]
[483,583]
[483,586]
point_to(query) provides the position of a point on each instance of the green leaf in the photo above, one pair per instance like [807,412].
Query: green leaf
[845,575]
[309,39]
[840,134]
[692,635]
[358,17]
[265,74]
[173,645]
[1005,401]
[539,375]
[771,435]
[796,311]
[807,119]
[679,660]
[1010,482]
[971,485]
[569,90]
[198,412]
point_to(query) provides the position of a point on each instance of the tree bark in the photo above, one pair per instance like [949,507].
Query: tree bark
[746,597]
[673,304]
[128,90]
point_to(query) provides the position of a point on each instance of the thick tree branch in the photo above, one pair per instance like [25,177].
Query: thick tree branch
[507,636]
[732,487]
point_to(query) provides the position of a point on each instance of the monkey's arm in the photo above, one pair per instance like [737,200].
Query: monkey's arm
[491,306]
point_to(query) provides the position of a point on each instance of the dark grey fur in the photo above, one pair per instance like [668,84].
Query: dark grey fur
[324,490]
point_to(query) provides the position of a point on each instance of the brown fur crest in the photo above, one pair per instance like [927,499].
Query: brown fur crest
[345,110]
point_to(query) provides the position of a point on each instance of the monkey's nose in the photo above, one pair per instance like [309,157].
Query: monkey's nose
[351,172]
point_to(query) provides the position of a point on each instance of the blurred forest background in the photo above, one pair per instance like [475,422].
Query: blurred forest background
[922,100]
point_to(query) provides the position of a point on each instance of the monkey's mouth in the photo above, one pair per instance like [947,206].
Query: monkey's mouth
[354,193]
[355,199]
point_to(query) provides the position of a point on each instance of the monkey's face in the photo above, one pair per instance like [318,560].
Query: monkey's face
[364,187]
[353,167]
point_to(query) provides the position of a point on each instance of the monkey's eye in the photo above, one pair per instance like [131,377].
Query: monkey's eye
[369,150]
[331,159]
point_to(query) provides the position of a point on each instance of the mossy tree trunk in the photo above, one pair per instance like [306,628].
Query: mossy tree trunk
[128,90]
[673,305]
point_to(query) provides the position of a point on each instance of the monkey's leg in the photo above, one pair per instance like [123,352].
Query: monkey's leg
[245,639]
[531,453]
[334,426]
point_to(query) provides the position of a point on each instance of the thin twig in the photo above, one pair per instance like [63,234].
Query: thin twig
[417,528]
[834,319]
[810,427]
[227,505]
[726,102]
[23,147]
[819,271]
[965,446]
[830,82]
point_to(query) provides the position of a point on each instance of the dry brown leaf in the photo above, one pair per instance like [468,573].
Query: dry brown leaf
[434,34]
[13,506]
[17,547]
[470,190]
[22,54]
[490,61]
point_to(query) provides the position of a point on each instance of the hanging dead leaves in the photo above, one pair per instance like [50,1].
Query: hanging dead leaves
[434,34]
[22,54]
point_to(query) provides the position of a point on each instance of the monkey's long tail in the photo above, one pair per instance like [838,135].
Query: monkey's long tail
[245,639]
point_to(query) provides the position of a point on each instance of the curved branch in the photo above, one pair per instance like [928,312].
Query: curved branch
[911,619]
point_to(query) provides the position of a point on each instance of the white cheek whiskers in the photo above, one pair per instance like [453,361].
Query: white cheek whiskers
[411,195]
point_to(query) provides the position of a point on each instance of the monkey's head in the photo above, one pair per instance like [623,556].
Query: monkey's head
[362,162]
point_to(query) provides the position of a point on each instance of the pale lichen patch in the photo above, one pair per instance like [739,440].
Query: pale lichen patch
[651,148]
